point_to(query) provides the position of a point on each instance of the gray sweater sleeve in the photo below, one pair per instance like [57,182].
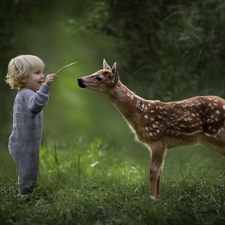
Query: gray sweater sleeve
[36,101]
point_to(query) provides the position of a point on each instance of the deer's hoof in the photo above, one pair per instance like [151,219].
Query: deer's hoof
[154,199]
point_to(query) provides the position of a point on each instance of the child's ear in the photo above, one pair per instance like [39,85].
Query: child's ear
[23,80]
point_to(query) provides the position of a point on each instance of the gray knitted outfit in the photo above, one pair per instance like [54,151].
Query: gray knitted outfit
[25,139]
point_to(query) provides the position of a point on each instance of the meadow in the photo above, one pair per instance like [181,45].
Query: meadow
[91,169]
[101,182]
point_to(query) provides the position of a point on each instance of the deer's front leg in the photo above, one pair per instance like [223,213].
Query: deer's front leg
[158,151]
[158,182]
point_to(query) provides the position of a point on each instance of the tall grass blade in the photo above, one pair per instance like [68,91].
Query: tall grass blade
[78,171]
[55,155]
[66,66]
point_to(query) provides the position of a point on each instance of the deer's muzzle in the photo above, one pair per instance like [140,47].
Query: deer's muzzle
[80,83]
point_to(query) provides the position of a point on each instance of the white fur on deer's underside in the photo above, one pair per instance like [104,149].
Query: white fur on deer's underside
[191,133]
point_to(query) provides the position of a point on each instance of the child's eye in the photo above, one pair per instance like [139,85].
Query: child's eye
[38,72]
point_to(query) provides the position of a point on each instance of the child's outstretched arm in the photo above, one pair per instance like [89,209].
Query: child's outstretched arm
[37,101]
[49,79]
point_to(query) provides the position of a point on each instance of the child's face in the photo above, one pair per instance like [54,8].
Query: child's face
[34,79]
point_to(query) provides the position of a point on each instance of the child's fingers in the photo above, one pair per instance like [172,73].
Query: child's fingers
[52,75]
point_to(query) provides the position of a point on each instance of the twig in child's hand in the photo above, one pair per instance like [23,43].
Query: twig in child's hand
[66,66]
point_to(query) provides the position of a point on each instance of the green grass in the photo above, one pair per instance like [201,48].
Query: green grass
[97,182]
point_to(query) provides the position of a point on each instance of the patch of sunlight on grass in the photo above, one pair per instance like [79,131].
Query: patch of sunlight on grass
[92,159]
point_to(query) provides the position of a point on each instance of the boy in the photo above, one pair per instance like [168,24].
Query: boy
[25,74]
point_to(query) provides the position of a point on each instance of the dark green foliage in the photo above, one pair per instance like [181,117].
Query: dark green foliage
[167,50]
[172,49]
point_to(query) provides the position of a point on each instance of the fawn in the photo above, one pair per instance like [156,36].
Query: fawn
[198,120]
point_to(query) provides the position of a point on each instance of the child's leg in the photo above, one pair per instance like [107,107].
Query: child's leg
[27,173]
[28,162]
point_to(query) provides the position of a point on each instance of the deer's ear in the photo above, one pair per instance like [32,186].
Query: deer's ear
[105,65]
[114,74]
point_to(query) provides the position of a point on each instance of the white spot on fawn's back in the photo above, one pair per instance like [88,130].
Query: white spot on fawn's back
[138,103]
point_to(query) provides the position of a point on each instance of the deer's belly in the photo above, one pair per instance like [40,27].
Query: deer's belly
[173,142]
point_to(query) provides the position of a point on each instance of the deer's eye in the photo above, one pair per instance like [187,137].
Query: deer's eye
[98,78]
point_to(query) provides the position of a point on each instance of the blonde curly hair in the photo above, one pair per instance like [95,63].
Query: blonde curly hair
[19,68]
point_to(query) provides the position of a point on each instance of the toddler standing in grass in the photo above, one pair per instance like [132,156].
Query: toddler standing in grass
[25,74]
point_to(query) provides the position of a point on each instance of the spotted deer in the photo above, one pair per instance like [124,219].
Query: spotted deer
[162,126]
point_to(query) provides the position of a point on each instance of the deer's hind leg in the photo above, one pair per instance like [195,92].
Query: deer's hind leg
[158,182]
[158,150]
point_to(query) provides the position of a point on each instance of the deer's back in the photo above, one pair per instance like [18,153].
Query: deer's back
[182,122]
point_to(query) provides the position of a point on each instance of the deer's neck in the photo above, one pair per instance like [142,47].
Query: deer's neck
[126,102]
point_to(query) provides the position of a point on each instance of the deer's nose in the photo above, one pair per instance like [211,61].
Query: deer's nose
[80,83]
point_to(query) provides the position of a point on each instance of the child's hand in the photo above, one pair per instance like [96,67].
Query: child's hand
[50,78]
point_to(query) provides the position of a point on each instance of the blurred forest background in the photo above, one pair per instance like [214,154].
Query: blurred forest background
[165,49]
